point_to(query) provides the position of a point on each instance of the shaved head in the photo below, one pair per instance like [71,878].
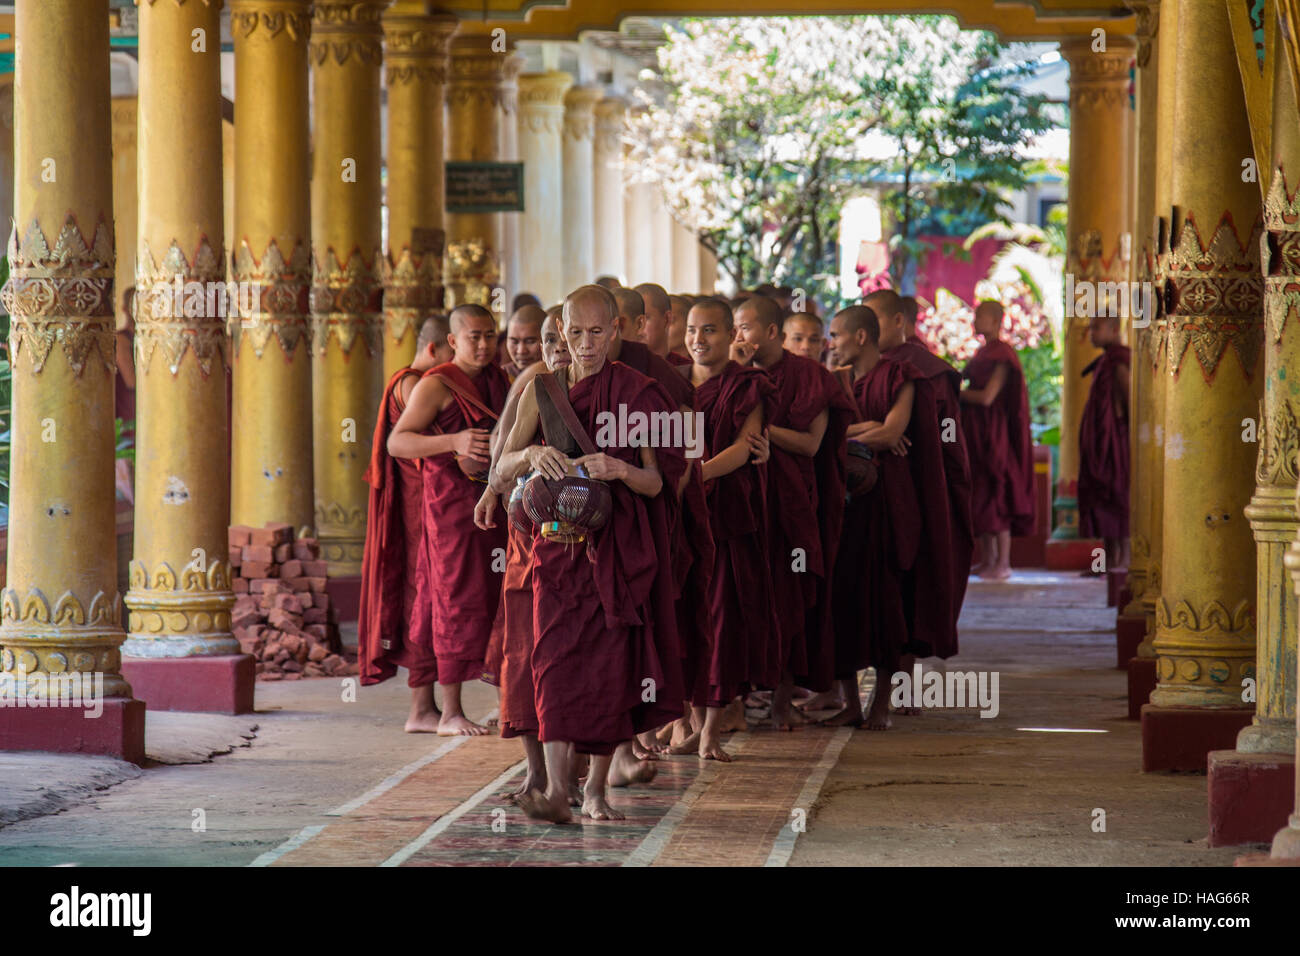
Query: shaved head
[718,307]
[469,313]
[860,318]
[654,297]
[911,310]
[884,300]
[528,315]
[630,304]
[593,295]
[763,309]
[434,331]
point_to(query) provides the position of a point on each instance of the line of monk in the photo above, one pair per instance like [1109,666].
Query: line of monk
[806,508]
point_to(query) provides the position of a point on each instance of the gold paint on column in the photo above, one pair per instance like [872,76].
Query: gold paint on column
[1101,131]
[347,365]
[179,597]
[60,611]
[271,467]
[474,102]
[508,152]
[415,55]
[1272,511]
[1205,616]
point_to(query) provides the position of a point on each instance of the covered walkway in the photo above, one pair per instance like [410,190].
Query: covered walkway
[328,782]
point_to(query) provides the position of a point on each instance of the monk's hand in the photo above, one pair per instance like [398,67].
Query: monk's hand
[547,460]
[474,442]
[486,508]
[741,352]
[901,446]
[603,467]
[760,446]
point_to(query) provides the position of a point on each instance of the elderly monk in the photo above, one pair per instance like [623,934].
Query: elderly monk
[515,620]
[805,501]
[995,418]
[394,626]
[524,339]
[804,335]
[602,611]
[948,539]
[1103,444]
[733,400]
[677,353]
[882,528]
[658,322]
[448,417]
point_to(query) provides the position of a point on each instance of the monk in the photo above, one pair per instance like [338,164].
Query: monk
[608,282]
[631,315]
[733,400]
[881,530]
[394,625]
[804,335]
[949,539]
[447,417]
[603,622]
[677,353]
[805,501]
[1103,444]
[911,313]
[995,418]
[515,620]
[524,338]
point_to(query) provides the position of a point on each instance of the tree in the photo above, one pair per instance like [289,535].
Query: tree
[763,127]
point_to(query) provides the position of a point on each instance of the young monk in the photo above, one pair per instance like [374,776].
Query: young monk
[394,625]
[804,335]
[1103,444]
[447,417]
[733,400]
[995,418]
[659,322]
[948,538]
[677,354]
[515,622]
[881,527]
[809,416]
[602,611]
[524,338]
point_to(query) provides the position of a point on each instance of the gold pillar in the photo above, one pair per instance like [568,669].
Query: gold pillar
[415,50]
[474,98]
[508,152]
[1141,331]
[60,611]
[579,186]
[125,161]
[1272,512]
[271,458]
[1101,129]
[347,334]
[179,597]
[1205,628]
[607,176]
[541,147]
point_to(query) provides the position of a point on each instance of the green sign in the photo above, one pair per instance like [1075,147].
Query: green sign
[485,187]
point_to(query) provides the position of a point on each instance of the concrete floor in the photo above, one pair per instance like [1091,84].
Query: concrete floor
[946,788]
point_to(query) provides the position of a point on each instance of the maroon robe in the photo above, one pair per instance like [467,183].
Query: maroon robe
[997,440]
[802,514]
[464,588]
[393,625]
[637,355]
[952,548]
[603,619]
[676,358]
[1104,450]
[744,651]
[518,711]
[879,544]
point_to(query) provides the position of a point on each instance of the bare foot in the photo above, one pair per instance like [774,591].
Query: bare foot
[598,808]
[460,726]
[996,574]
[541,806]
[733,718]
[492,722]
[713,751]
[425,723]
[848,717]
[979,569]
[787,717]
[647,747]
[530,782]
[801,693]
[682,731]
[758,699]
[687,745]
[575,795]
[826,700]
[664,735]
[624,772]
[878,712]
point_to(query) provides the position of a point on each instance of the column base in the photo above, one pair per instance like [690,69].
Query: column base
[1286,843]
[1130,629]
[117,732]
[345,596]
[1070,554]
[1251,796]
[221,684]
[1141,682]
[1180,738]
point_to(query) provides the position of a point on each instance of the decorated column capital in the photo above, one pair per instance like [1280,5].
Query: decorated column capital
[345,29]
[415,42]
[284,20]
[580,112]
[541,100]
[1148,27]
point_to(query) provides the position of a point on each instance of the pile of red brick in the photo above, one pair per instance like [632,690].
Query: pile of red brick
[282,614]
